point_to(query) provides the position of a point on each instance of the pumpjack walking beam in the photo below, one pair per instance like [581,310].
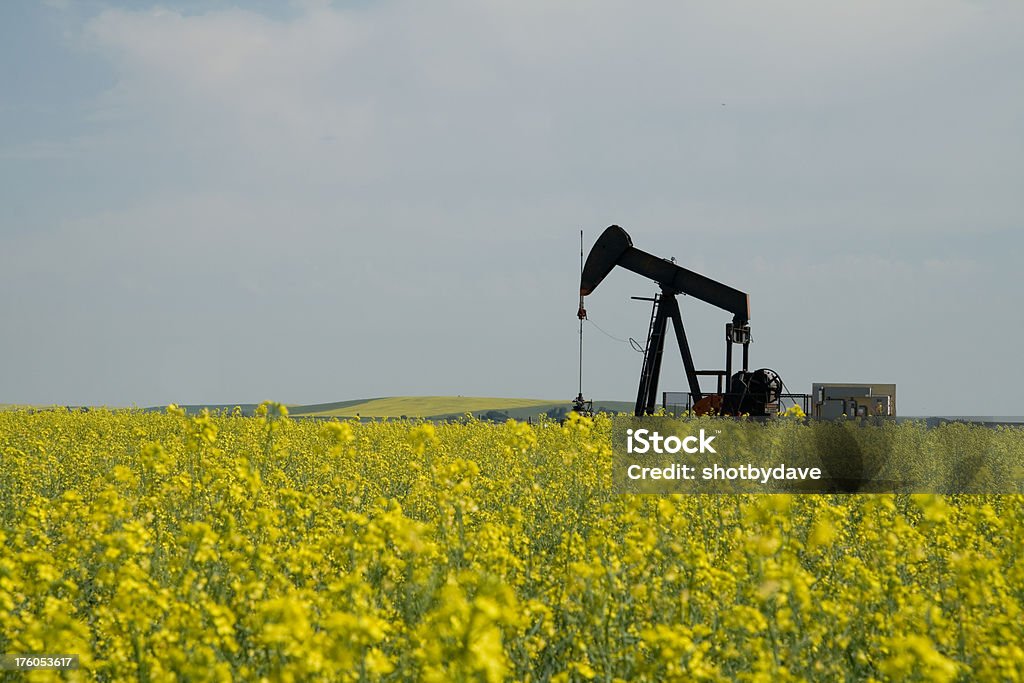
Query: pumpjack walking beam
[615,248]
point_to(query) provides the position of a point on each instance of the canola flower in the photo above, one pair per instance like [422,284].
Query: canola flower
[219,547]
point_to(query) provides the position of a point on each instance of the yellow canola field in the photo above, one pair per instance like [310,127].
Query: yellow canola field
[163,547]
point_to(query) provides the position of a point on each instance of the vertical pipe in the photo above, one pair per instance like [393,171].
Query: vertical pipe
[581,317]
[728,355]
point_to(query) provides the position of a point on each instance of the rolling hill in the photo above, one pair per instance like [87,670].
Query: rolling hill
[427,407]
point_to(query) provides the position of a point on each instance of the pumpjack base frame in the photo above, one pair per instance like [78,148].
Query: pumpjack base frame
[666,307]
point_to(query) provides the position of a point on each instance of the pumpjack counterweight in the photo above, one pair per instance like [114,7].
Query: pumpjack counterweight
[745,392]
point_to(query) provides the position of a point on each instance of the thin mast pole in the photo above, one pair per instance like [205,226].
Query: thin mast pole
[581,318]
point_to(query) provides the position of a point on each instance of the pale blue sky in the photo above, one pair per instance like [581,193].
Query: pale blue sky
[229,202]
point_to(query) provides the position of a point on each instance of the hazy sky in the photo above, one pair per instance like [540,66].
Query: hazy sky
[231,202]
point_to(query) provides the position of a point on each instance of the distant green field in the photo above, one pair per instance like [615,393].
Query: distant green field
[425,406]
[432,407]
[449,407]
[429,407]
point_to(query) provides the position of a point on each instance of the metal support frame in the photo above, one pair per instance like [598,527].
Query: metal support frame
[805,401]
[665,308]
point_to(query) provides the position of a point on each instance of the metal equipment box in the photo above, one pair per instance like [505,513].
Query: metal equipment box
[831,400]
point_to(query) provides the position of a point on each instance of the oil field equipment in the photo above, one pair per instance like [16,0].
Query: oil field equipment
[750,392]
[832,400]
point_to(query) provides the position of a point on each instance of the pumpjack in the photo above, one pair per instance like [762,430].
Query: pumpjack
[742,392]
